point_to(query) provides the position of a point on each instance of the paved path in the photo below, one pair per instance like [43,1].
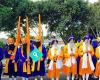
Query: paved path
[63,77]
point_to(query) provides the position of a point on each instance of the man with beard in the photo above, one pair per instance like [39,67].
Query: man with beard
[70,55]
[11,59]
[22,68]
[35,72]
[86,52]
[55,55]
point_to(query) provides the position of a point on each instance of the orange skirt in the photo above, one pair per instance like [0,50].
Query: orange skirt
[55,73]
[97,71]
[67,70]
[83,71]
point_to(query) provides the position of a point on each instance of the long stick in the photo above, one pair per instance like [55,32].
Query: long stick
[28,45]
[40,38]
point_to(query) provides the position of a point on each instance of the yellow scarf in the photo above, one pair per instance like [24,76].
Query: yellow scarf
[15,66]
[6,65]
[26,67]
[33,66]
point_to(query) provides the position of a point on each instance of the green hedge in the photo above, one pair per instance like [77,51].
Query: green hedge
[2,44]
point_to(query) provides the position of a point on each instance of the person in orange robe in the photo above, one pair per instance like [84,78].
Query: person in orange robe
[55,61]
[86,52]
[70,55]
[97,54]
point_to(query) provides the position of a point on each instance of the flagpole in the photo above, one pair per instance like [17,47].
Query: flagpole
[17,43]
[40,38]
[17,36]
[28,45]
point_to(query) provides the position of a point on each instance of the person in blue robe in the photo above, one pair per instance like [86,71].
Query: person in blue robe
[1,57]
[78,59]
[94,44]
[11,67]
[22,63]
[42,71]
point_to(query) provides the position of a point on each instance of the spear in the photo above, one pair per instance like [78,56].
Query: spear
[40,38]
[17,38]
[17,42]
[28,45]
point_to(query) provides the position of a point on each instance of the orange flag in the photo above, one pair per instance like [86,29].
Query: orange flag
[40,38]
[17,38]
[16,44]
[18,33]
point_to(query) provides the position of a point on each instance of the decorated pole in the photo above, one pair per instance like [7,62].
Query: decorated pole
[18,33]
[17,42]
[17,39]
[40,38]
[16,45]
[28,45]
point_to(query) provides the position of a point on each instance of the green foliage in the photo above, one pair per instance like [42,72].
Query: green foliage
[2,44]
[64,17]
[95,17]
[9,12]
[12,35]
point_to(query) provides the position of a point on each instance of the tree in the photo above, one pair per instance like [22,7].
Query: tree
[64,17]
[94,21]
[9,12]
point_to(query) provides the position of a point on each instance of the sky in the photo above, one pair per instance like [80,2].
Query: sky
[45,31]
[92,1]
[34,31]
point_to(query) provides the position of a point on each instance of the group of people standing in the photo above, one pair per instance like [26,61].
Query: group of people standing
[72,59]
[81,58]
[21,64]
